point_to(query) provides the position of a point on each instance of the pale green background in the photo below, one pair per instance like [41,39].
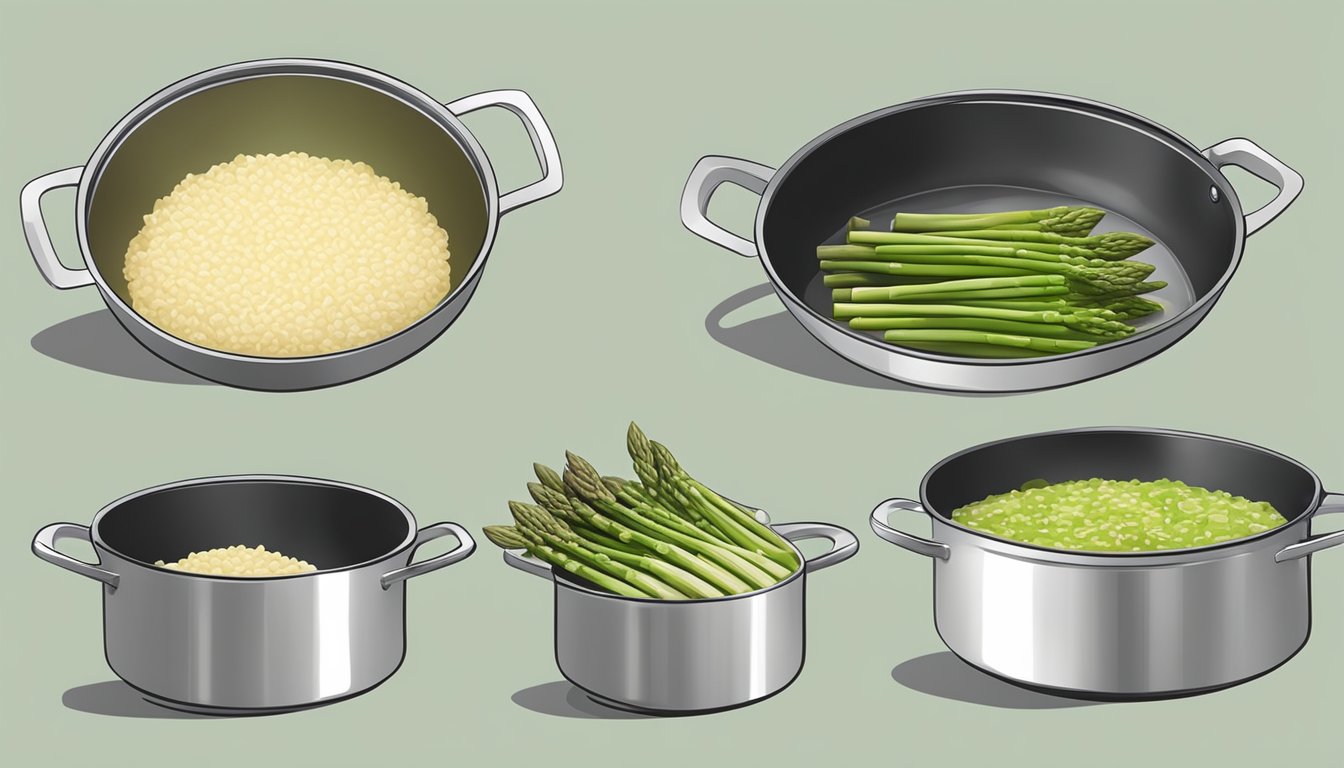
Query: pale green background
[592,312]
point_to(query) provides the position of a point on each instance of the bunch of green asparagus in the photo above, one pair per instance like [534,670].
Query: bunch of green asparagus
[663,536]
[1012,284]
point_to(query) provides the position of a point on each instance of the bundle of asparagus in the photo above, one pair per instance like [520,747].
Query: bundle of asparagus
[1012,284]
[664,536]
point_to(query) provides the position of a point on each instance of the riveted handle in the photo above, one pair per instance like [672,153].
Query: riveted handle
[35,229]
[44,546]
[1251,157]
[465,546]
[879,521]
[543,143]
[844,544]
[1333,503]
[705,178]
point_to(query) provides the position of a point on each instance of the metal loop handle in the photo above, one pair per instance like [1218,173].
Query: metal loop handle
[1333,503]
[35,229]
[920,546]
[44,546]
[465,546]
[526,565]
[705,178]
[543,143]
[1249,156]
[844,544]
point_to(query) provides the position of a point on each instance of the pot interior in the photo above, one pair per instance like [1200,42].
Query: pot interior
[337,119]
[1238,468]
[995,153]
[329,526]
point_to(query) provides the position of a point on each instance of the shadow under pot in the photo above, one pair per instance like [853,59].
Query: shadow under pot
[684,657]
[1120,625]
[242,646]
[327,109]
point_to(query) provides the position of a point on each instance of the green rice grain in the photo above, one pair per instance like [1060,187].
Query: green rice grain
[1118,516]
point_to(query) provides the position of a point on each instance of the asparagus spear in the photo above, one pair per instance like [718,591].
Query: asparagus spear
[896,292]
[1052,330]
[1109,245]
[922,270]
[508,537]
[971,349]
[549,477]
[1064,220]
[715,574]
[998,339]
[941,241]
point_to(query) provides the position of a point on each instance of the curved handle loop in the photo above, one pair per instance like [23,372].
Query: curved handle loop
[543,143]
[844,544]
[44,546]
[705,178]
[527,565]
[920,546]
[35,229]
[1249,156]
[465,546]
[1333,503]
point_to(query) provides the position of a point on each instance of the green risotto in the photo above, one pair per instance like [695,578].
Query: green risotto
[1118,515]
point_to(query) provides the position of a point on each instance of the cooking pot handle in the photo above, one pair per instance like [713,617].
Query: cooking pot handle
[35,229]
[465,546]
[44,546]
[1248,155]
[878,521]
[706,176]
[527,565]
[543,143]
[1332,503]
[843,543]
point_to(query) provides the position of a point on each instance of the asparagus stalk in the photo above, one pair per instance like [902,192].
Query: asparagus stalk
[896,292]
[970,349]
[1065,220]
[1091,275]
[941,241]
[572,546]
[1109,245]
[507,537]
[582,486]
[549,477]
[997,339]
[1051,330]
[1093,321]
[922,270]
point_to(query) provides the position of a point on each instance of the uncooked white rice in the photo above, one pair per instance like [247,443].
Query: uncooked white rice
[239,560]
[286,256]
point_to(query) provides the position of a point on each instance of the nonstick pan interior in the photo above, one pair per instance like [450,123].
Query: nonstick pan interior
[329,526]
[1237,468]
[1001,154]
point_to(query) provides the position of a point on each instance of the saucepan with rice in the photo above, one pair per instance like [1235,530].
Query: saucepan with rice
[288,224]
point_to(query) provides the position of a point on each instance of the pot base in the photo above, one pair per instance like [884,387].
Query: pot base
[198,709]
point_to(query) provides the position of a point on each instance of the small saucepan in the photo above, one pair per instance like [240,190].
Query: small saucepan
[326,108]
[681,657]
[1126,625]
[242,646]
[998,150]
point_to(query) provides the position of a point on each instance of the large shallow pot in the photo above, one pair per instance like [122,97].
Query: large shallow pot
[679,657]
[1126,624]
[325,108]
[226,645]
[998,150]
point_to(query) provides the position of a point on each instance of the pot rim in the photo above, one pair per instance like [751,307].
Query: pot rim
[354,74]
[1043,99]
[1034,552]
[565,580]
[98,543]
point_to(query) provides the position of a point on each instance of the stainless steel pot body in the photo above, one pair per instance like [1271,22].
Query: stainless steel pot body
[1059,146]
[324,108]
[252,646]
[691,656]
[1123,625]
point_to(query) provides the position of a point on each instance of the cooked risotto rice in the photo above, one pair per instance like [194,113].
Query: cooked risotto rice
[239,560]
[287,256]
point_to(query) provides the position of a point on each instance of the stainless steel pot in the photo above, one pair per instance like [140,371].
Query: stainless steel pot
[998,150]
[225,645]
[324,108]
[686,656]
[1129,624]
